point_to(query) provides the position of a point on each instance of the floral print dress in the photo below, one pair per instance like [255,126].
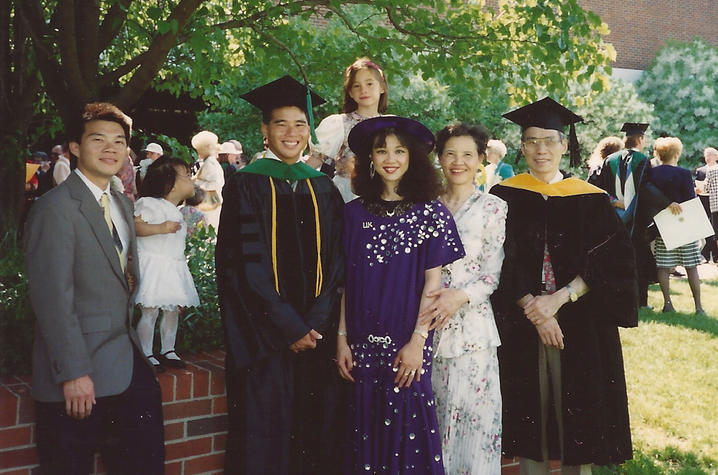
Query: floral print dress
[466,369]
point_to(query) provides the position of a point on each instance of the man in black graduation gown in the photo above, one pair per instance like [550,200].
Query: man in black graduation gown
[279,267]
[567,284]
[626,177]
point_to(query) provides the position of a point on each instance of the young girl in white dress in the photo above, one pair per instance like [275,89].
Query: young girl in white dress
[165,282]
[366,95]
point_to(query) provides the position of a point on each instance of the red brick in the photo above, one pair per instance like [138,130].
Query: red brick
[167,385]
[509,461]
[18,457]
[22,471]
[510,470]
[99,466]
[15,437]
[189,448]
[204,464]
[8,407]
[217,382]
[220,442]
[173,468]
[201,381]
[554,464]
[181,410]
[10,379]
[183,384]
[26,412]
[174,431]
[219,405]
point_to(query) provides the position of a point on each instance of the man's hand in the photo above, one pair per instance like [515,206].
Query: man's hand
[619,204]
[550,333]
[307,342]
[447,302]
[675,208]
[543,307]
[79,397]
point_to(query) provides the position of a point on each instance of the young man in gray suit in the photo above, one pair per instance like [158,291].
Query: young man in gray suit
[92,386]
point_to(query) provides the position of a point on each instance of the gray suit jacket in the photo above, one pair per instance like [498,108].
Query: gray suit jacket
[80,296]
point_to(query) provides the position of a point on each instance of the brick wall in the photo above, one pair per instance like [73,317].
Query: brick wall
[194,404]
[640,28]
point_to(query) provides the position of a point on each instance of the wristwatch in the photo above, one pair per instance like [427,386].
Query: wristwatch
[571,293]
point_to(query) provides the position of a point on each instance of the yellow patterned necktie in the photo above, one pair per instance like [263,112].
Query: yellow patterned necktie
[105,203]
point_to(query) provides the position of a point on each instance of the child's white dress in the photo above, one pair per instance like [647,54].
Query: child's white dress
[165,280]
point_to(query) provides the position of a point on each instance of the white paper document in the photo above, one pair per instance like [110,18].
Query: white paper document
[690,225]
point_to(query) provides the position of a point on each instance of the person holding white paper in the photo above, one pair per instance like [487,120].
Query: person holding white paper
[677,184]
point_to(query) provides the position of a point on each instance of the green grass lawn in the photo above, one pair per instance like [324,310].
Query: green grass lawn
[671,363]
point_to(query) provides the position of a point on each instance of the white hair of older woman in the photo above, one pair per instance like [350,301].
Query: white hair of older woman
[206,143]
[495,148]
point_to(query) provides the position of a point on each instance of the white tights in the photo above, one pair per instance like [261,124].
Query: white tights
[168,329]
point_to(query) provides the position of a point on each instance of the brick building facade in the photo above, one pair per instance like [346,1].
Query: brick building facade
[639,28]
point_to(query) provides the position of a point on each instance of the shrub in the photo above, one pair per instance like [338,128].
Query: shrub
[16,318]
[681,82]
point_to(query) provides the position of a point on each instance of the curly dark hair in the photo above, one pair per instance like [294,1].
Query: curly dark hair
[421,181]
[476,132]
[161,176]
[99,111]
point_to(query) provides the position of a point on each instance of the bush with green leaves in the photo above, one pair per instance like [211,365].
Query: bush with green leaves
[16,318]
[682,83]
[201,327]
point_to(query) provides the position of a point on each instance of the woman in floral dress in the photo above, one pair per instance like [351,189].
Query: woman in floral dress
[397,236]
[466,369]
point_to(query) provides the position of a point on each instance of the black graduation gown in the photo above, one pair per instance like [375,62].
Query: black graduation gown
[585,237]
[650,202]
[282,406]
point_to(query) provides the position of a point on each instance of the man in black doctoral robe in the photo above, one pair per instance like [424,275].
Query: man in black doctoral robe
[279,267]
[626,177]
[567,284]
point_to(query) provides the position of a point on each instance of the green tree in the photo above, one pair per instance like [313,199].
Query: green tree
[63,53]
[682,83]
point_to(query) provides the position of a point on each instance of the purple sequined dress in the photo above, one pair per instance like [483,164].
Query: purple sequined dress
[391,430]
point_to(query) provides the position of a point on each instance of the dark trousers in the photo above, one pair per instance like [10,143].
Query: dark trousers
[127,428]
[710,250]
[286,415]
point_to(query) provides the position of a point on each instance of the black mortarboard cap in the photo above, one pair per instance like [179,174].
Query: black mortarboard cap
[549,114]
[283,92]
[634,128]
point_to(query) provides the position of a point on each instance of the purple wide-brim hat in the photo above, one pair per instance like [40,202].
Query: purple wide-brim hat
[361,136]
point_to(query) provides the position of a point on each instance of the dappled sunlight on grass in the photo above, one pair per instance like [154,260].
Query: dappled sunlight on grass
[671,363]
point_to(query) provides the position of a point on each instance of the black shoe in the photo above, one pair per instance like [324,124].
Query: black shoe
[157,366]
[171,363]
[676,273]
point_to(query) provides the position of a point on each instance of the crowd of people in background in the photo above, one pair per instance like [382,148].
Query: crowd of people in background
[384,311]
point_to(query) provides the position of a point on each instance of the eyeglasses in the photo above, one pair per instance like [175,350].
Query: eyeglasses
[535,142]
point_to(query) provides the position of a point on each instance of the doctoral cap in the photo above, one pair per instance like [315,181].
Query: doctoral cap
[549,114]
[361,135]
[283,92]
[634,128]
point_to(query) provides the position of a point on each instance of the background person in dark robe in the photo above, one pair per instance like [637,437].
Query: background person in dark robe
[626,177]
[279,267]
[567,283]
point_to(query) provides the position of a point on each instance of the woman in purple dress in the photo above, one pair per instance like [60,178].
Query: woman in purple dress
[397,236]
